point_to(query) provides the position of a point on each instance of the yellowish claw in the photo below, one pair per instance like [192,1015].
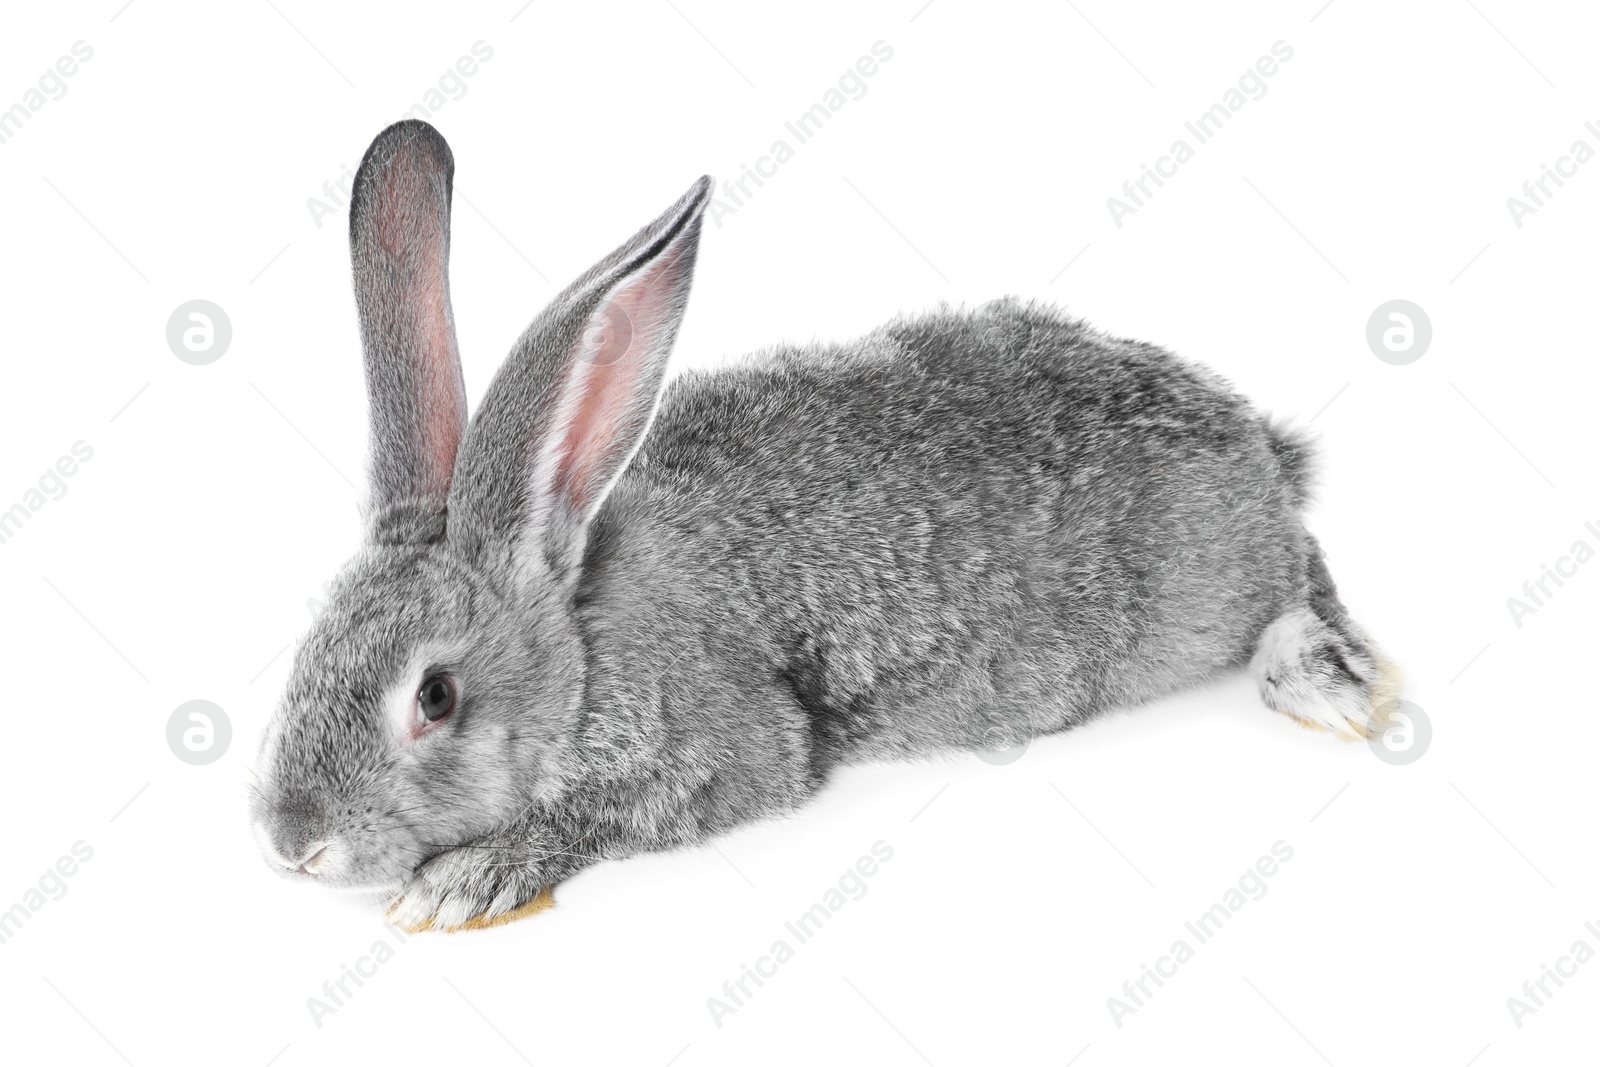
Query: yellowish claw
[542,901]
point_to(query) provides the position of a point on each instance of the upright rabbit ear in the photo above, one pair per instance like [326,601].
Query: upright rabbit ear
[399,249]
[573,401]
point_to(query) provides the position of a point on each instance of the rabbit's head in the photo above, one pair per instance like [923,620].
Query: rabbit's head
[437,693]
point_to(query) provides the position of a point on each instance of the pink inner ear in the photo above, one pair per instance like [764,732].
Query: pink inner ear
[442,400]
[612,381]
[408,216]
[410,229]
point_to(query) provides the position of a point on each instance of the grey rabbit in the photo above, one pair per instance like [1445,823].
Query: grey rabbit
[604,617]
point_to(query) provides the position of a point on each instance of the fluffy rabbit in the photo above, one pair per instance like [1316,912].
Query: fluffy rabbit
[600,618]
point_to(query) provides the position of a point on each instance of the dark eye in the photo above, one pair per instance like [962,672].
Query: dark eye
[436,698]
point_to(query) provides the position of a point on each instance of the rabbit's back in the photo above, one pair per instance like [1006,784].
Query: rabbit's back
[966,527]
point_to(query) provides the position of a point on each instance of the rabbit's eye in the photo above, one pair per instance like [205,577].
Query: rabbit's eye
[435,699]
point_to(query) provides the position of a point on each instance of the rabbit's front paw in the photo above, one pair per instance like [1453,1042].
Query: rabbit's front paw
[467,887]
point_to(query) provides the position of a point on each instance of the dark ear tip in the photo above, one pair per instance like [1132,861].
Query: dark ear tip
[700,192]
[412,136]
[412,130]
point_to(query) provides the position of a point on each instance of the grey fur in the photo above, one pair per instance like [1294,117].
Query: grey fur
[964,529]
[400,248]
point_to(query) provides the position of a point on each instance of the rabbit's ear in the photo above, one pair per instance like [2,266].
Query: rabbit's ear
[573,401]
[399,250]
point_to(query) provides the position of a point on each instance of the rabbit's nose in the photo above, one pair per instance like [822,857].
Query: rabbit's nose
[299,856]
[305,860]
[315,856]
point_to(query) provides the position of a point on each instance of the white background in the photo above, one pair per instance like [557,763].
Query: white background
[179,563]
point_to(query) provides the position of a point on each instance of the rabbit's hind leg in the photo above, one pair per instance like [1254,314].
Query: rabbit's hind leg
[1314,664]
